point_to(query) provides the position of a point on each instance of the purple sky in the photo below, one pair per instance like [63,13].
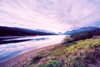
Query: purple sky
[51,15]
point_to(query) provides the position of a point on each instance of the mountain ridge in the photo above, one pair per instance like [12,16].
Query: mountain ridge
[81,30]
[15,31]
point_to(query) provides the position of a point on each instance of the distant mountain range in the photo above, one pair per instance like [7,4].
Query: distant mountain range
[82,30]
[14,31]
[45,31]
[60,33]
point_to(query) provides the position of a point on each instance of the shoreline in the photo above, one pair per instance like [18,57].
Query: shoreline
[25,58]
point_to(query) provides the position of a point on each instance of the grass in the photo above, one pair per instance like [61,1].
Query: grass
[84,45]
[83,61]
[51,64]
[77,62]
[65,50]
[58,52]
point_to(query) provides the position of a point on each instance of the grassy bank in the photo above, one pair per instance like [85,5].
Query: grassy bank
[81,53]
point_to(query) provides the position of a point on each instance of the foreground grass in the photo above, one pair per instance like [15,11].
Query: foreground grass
[83,45]
[75,54]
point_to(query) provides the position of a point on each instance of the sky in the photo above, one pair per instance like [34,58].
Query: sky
[50,15]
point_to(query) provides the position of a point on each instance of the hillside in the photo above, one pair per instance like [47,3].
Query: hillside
[76,53]
[82,30]
[14,31]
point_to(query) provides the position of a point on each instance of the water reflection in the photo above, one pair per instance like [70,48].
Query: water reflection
[21,45]
[15,40]
[41,39]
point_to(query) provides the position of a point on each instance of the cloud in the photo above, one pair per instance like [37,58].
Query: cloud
[52,15]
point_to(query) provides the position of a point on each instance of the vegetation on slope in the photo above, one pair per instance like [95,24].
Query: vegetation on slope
[73,52]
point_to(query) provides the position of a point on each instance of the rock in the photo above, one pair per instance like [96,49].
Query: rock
[68,59]
[24,63]
[44,60]
[52,58]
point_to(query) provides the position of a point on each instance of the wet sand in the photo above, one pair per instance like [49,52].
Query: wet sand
[23,59]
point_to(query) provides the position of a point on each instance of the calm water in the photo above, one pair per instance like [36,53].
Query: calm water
[13,47]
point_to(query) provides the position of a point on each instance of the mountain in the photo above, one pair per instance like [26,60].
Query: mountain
[14,31]
[81,30]
[45,31]
[60,33]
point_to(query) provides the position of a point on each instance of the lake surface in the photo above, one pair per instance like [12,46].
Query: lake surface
[11,47]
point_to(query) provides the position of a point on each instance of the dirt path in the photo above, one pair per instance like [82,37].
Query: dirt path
[24,59]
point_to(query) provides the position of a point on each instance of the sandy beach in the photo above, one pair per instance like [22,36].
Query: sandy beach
[23,59]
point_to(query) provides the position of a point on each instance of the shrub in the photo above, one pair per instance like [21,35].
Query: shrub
[42,65]
[70,44]
[82,36]
[90,59]
[58,52]
[83,45]
[83,61]
[69,40]
[54,64]
[71,50]
[77,62]
[36,59]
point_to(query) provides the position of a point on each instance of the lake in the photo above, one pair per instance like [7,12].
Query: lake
[11,47]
